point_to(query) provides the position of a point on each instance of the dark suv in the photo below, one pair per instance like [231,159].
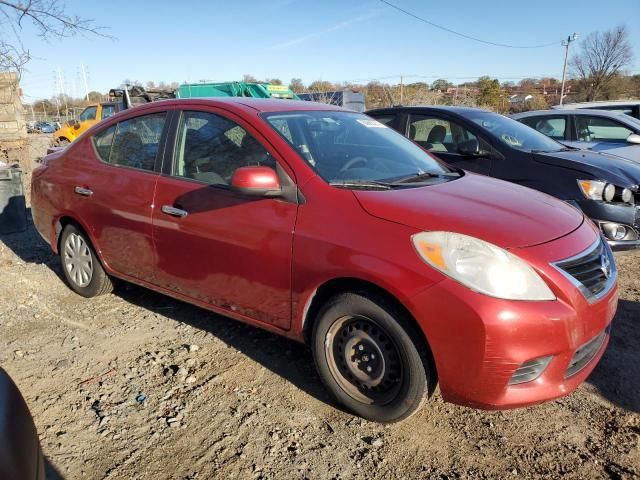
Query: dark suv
[604,186]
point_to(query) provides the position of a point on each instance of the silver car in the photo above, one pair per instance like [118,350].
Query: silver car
[599,130]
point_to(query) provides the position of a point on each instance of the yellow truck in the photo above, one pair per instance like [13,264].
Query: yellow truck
[89,116]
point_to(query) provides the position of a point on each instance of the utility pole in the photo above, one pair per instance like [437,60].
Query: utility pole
[401,91]
[565,44]
[86,85]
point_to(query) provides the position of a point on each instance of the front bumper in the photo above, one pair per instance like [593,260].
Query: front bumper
[627,216]
[478,342]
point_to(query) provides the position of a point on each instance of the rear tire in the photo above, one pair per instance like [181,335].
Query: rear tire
[371,357]
[80,264]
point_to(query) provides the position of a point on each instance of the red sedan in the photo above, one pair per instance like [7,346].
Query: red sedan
[330,228]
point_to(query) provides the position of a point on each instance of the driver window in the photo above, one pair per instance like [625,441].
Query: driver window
[438,135]
[599,129]
[210,148]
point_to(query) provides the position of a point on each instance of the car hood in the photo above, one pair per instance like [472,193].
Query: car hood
[498,212]
[630,152]
[606,166]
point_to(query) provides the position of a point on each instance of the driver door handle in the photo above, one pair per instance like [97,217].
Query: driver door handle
[174,212]
[85,192]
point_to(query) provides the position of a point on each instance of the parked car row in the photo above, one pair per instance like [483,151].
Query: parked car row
[41,127]
[398,265]
[602,185]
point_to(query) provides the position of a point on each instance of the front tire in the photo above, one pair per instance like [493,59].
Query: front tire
[80,264]
[371,357]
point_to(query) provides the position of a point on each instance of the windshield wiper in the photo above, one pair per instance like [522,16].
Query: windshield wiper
[362,184]
[416,177]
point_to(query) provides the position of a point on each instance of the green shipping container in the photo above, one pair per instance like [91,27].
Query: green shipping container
[234,89]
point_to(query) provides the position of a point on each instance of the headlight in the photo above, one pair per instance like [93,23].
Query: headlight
[592,189]
[599,190]
[481,266]
[609,192]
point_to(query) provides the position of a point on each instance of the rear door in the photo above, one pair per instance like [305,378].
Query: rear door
[114,193]
[216,245]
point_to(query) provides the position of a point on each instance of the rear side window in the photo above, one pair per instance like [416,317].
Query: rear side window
[103,140]
[132,143]
[553,127]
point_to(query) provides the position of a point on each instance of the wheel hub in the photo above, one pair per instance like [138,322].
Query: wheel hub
[364,359]
[77,260]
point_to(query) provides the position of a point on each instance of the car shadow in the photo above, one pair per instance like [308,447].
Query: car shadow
[50,471]
[286,358]
[616,376]
[28,245]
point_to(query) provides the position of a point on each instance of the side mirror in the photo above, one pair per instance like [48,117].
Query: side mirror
[470,148]
[76,124]
[256,181]
[634,138]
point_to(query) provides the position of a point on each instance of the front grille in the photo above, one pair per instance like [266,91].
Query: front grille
[586,352]
[592,271]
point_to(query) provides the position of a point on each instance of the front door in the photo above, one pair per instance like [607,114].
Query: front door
[216,245]
[446,140]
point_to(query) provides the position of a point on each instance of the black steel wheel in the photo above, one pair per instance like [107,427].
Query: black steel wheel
[371,357]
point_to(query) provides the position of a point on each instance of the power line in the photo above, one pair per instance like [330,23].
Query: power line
[463,35]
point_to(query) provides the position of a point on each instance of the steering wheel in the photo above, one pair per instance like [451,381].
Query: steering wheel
[350,163]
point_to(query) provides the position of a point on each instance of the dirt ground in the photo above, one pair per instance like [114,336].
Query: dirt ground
[136,385]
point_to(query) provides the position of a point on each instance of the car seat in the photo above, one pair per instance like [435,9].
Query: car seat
[435,139]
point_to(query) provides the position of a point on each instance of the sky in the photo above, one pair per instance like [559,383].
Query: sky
[335,40]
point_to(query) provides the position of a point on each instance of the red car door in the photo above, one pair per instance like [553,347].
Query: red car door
[215,245]
[113,193]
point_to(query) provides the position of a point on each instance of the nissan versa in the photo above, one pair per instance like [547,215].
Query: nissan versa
[605,187]
[328,227]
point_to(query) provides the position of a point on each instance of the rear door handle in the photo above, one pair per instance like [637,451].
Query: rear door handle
[85,192]
[173,211]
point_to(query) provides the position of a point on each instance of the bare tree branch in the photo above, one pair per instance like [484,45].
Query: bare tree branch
[50,19]
[600,60]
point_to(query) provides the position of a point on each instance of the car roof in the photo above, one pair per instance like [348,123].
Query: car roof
[443,108]
[604,103]
[619,116]
[571,111]
[258,104]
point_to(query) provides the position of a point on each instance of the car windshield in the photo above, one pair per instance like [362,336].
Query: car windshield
[515,134]
[356,151]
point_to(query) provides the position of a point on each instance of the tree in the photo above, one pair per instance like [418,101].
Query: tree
[599,61]
[491,94]
[274,81]
[441,85]
[47,16]
[296,85]
[321,86]
[94,96]
[248,78]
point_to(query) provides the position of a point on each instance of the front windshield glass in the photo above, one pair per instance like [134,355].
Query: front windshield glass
[351,147]
[515,134]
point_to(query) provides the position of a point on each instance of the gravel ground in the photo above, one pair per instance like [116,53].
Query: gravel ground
[137,385]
